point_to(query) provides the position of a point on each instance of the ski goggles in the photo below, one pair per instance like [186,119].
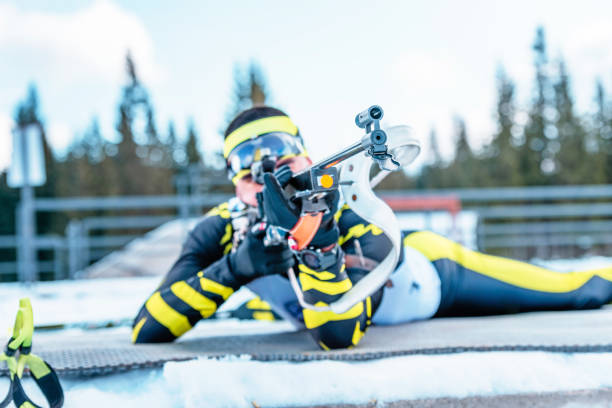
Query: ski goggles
[254,129]
[275,145]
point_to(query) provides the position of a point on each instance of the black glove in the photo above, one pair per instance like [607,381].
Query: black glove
[253,259]
[281,212]
[283,174]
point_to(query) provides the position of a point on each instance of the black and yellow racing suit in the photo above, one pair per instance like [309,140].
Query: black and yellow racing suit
[475,284]
[472,283]
[201,280]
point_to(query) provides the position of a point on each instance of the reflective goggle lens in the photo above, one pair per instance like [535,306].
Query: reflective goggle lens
[277,145]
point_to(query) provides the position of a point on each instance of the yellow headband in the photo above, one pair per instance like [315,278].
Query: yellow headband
[258,127]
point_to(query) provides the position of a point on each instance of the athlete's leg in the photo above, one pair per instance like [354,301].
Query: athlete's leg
[475,284]
[255,309]
[412,293]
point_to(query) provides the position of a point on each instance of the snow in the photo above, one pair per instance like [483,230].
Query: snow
[240,382]
[88,300]
[320,382]
[91,300]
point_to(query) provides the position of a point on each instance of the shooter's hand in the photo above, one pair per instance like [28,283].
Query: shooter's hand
[253,259]
[281,212]
[283,174]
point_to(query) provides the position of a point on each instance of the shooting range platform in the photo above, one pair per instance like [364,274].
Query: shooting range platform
[100,352]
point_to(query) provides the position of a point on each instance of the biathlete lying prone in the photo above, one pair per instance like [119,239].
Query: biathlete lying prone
[434,276]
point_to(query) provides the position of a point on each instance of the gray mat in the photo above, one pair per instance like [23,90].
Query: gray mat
[573,331]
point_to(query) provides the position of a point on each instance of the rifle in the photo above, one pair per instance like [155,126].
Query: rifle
[391,149]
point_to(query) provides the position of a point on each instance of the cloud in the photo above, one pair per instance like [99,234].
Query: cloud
[89,42]
[59,136]
[430,71]
[588,53]
[592,43]
[430,89]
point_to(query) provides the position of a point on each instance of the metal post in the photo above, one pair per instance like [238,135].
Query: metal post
[57,262]
[73,235]
[28,270]
[480,239]
[27,251]
[184,207]
[85,250]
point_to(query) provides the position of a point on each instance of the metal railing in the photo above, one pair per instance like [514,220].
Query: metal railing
[543,221]
[78,247]
[524,222]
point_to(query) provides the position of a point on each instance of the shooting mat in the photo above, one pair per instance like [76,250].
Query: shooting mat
[98,352]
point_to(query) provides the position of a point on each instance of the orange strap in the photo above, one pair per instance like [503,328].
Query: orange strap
[306,228]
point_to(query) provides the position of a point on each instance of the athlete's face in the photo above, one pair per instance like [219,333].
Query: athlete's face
[246,187]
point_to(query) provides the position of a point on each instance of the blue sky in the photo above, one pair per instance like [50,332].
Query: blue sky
[424,62]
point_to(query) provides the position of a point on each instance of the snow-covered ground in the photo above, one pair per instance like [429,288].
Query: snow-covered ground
[240,382]
[79,302]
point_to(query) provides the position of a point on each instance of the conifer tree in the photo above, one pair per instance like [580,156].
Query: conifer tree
[156,153]
[501,156]
[601,137]
[396,180]
[82,172]
[435,157]
[191,146]
[126,162]
[94,143]
[75,173]
[462,169]
[126,149]
[463,152]
[139,162]
[175,155]
[257,85]
[533,167]
[433,173]
[573,164]
[249,90]
[9,197]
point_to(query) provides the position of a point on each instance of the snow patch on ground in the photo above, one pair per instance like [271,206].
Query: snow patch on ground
[240,382]
[88,300]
